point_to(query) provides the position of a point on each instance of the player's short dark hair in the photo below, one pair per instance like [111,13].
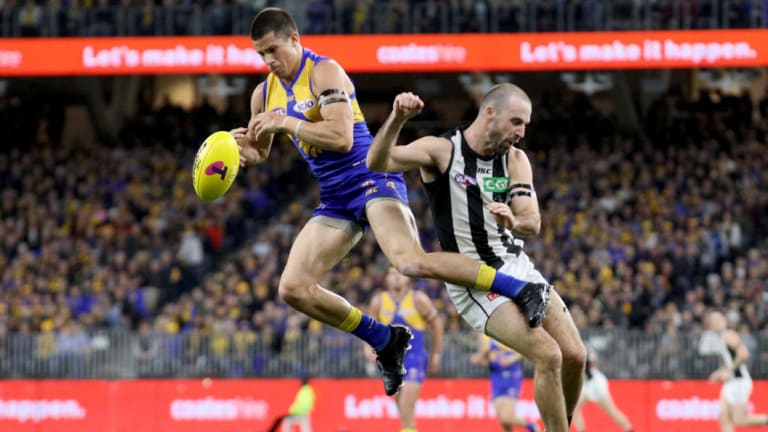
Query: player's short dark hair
[275,20]
[498,96]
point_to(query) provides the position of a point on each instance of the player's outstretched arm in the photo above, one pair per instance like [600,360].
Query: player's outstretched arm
[385,156]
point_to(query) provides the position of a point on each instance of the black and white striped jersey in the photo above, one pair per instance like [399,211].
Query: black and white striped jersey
[458,198]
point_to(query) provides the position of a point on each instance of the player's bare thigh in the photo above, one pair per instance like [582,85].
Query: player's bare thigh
[320,245]
[508,326]
[394,226]
[559,323]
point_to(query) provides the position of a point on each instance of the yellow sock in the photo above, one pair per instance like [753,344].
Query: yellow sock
[352,320]
[485,277]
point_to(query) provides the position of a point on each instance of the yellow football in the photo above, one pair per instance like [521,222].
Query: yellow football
[216,165]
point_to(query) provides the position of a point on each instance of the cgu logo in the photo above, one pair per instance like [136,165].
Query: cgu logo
[495,184]
[304,105]
[279,111]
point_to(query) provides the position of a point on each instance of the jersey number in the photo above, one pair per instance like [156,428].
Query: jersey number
[309,149]
[513,245]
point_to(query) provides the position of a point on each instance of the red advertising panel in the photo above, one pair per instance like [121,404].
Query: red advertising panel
[342,405]
[392,53]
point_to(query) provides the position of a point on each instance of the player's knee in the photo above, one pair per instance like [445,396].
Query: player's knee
[292,291]
[575,356]
[548,360]
[411,265]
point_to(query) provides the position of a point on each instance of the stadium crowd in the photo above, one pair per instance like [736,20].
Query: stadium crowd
[32,18]
[639,231]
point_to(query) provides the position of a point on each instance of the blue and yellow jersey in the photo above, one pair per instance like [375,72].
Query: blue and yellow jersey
[496,352]
[298,100]
[404,312]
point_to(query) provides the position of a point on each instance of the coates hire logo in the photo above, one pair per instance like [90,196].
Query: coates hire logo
[212,409]
[689,409]
[421,54]
[37,410]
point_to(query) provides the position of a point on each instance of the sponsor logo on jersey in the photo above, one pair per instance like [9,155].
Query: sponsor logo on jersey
[304,105]
[495,184]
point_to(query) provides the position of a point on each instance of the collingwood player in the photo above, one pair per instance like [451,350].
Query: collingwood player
[733,373]
[480,188]
[597,390]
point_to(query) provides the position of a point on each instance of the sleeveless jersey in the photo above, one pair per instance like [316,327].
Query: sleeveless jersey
[334,170]
[728,354]
[403,311]
[458,198]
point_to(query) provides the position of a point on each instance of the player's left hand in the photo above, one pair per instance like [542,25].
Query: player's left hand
[266,123]
[502,213]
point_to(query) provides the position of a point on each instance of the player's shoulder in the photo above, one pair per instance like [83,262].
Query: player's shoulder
[731,338]
[518,154]
[258,95]
[327,65]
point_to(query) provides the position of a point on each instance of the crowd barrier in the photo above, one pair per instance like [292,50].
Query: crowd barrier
[350,405]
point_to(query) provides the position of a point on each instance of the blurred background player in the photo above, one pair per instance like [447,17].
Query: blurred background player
[506,375]
[399,303]
[299,411]
[596,390]
[733,373]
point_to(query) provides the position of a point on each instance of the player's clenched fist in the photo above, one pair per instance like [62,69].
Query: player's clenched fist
[407,105]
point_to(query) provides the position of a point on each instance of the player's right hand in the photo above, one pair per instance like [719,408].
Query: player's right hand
[240,134]
[407,105]
[244,139]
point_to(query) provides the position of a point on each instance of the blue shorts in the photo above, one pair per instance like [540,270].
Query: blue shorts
[416,365]
[350,204]
[506,384]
